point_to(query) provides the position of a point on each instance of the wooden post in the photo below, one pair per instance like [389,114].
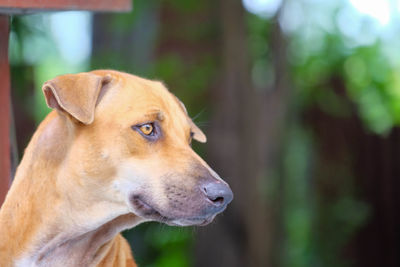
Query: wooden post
[4,109]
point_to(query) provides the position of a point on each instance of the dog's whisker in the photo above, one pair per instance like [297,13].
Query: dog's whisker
[204,123]
[198,115]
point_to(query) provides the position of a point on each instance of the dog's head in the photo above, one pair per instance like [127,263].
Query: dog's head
[132,145]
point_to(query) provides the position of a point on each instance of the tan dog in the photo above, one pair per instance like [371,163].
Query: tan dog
[115,153]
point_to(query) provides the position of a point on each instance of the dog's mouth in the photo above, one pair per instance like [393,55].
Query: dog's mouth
[147,211]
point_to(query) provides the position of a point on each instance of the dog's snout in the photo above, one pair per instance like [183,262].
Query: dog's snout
[218,193]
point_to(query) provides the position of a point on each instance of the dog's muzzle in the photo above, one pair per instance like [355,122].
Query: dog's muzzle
[186,199]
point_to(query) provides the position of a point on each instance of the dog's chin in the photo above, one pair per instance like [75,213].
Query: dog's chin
[149,213]
[192,221]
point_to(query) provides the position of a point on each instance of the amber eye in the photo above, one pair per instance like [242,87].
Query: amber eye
[147,128]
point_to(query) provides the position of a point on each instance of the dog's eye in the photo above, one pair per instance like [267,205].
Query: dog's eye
[147,129]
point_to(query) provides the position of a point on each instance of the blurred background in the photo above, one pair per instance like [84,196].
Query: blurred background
[300,100]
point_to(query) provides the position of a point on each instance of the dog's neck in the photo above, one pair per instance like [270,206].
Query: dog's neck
[54,228]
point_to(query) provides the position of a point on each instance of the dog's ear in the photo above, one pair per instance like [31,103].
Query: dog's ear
[75,94]
[198,134]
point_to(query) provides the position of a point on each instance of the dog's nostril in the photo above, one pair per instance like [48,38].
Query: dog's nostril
[218,193]
[205,190]
[219,201]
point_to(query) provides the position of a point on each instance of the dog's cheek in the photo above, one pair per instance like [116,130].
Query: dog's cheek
[132,144]
[93,160]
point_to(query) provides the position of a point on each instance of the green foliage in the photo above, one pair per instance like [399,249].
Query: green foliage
[373,84]
[329,72]
[366,73]
[298,203]
[160,245]
[259,34]
[185,5]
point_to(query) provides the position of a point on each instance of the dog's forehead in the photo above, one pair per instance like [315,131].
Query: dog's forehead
[140,97]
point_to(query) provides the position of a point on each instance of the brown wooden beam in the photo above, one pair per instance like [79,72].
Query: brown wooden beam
[28,6]
[4,109]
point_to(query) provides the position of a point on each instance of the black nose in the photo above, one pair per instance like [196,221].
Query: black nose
[218,193]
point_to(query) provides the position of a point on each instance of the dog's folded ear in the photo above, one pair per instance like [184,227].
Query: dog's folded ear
[198,134]
[75,94]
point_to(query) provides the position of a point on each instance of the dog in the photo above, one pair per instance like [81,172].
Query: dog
[114,152]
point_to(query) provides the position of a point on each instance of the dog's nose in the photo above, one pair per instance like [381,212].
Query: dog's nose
[218,193]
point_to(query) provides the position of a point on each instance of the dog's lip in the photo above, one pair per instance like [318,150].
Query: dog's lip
[144,209]
[206,221]
[148,211]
